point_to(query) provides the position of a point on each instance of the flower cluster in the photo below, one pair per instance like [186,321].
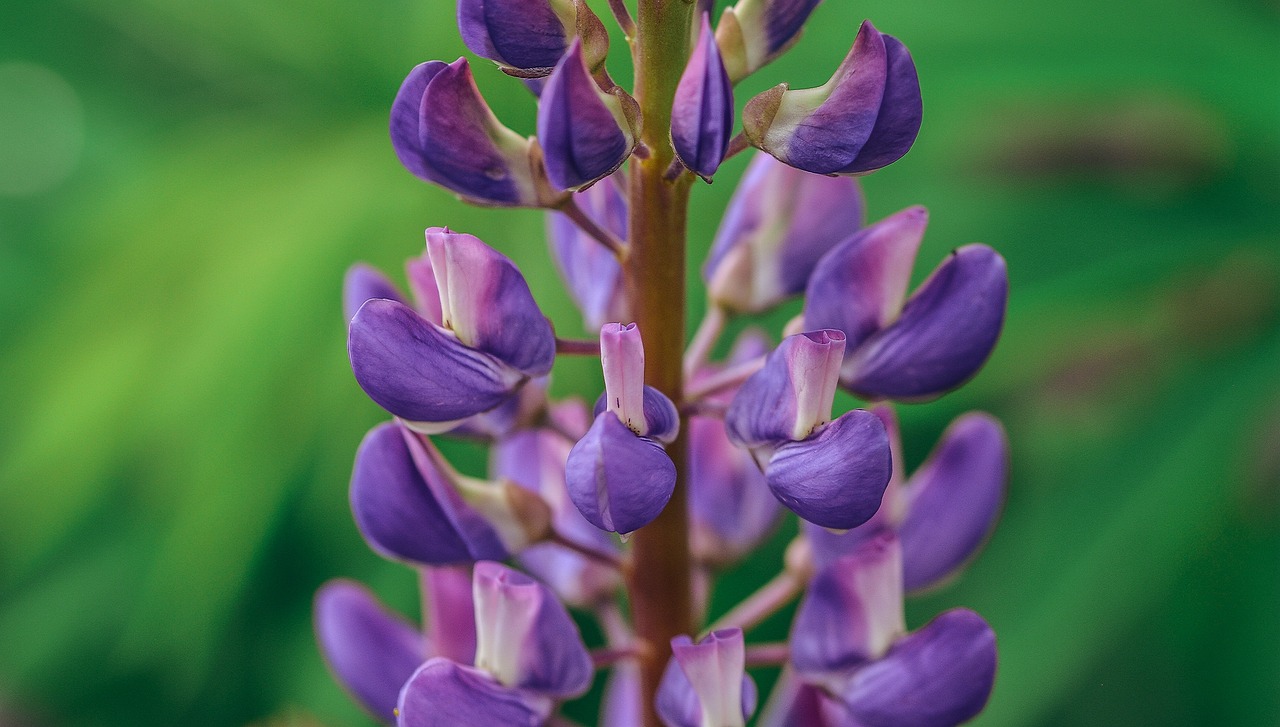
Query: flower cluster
[467,352]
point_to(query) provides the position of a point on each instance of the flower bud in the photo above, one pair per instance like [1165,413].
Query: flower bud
[590,270]
[702,114]
[445,133]
[526,38]
[921,348]
[490,340]
[754,32]
[443,693]
[706,684]
[586,132]
[777,226]
[864,118]
[831,473]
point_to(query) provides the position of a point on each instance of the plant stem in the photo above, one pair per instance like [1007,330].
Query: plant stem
[577,347]
[571,210]
[762,604]
[660,580]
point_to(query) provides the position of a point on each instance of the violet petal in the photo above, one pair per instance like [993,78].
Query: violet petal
[523,34]
[706,683]
[443,693]
[365,282]
[590,270]
[618,480]
[791,395]
[702,113]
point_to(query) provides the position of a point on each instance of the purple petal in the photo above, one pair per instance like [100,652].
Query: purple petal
[420,372]
[706,683]
[792,395]
[422,282]
[794,703]
[406,509]
[859,286]
[524,34]
[487,304]
[730,506]
[445,694]
[521,410]
[449,611]
[524,636]
[661,418]
[939,676]
[620,705]
[365,282]
[945,333]
[836,478]
[371,651]
[702,114]
[406,119]
[583,131]
[590,270]
[901,111]
[622,358]
[753,34]
[783,21]
[460,144]
[953,499]
[618,481]
[777,226]
[852,612]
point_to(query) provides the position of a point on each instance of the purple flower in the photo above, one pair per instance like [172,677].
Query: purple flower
[702,115]
[706,684]
[921,348]
[831,473]
[445,133]
[586,131]
[849,640]
[527,38]
[754,32]
[409,504]
[943,513]
[535,459]
[864,118]
[590,270]
[371,651]
[529,654]
[779,223]
[491,339]
[618,475]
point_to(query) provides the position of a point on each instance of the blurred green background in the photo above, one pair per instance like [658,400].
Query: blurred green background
[183,184]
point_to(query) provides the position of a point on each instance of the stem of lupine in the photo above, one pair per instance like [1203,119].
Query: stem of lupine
[577,347]
[571,210]
[704,339]
[724,379]
[768,654]
[660,581]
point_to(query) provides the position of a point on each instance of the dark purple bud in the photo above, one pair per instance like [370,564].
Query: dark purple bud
[864,118]
[945,333]
[445,133]
[410,505]
[779,223]
[535,459]
[706,684]
[939,676]
[528,37]
[702,114]
[371,651]
[525,637]
[590,270]
[365,282]
[586,132]
[493,339]
[443,693]
[953,500]
[754,32]
[852,613]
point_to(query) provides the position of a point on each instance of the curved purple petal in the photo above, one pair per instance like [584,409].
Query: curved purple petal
[779,223]
[486,302]
[449,612]
[702,113]
[939,676]
[405,508]
[706,683]
[619,481]
[445,694]
[422,283]
[852,613]
[730,507]
[859,286]
[583,131]
[524,636]
[791,395]
[371,651]
[946,331]
[953,499]
[406,119]
[590,270]
[795,703]
[901,112]
[837,477]
[365,282]
[420,372]
[524,34]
